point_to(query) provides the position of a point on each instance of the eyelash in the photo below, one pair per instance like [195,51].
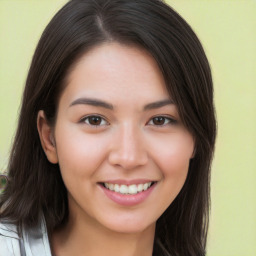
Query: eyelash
[167,121]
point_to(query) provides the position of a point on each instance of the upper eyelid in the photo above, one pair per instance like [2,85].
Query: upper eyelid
[172,119]
[167,116]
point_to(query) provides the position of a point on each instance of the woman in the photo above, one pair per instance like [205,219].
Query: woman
[115,137]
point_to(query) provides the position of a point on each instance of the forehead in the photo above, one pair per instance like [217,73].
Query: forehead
[117,72]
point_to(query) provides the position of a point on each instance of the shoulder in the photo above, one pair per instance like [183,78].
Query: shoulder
[9,240]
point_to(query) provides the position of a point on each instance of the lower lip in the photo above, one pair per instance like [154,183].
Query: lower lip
[128,200]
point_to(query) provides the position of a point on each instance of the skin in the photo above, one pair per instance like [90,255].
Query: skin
[128,143]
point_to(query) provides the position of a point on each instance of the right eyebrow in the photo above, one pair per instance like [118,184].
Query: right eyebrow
[158,104]
[92,102]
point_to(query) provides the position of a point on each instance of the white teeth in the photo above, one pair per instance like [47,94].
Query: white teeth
[111,186]
[131,189]
[123,189]
[140,187]
[116,188]
[145,186]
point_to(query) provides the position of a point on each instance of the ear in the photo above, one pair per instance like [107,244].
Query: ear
[47,137]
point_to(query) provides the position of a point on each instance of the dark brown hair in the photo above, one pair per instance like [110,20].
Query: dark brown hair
[35,186]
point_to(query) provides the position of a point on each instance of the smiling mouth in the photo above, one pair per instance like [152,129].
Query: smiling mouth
[132,189]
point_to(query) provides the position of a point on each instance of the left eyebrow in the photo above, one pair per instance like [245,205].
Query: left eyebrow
[92,102]
[158,104]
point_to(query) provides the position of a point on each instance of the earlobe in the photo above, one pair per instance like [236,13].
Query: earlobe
[47,137]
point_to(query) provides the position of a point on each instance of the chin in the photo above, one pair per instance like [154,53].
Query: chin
[130,226]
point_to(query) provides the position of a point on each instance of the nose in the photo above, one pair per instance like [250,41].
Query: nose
[128,148]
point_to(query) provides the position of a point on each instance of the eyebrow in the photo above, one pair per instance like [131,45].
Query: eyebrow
[92,102]
[158,104]
[103,104]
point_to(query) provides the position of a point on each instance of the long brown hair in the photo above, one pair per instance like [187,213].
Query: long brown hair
[35,186]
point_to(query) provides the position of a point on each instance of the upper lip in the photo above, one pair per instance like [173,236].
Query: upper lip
[128,182]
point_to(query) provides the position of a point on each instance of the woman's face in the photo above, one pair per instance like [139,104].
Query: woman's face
[117,132]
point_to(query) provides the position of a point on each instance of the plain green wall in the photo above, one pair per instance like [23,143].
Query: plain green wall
[227,30]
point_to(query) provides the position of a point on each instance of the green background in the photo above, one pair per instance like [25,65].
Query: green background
[227,30]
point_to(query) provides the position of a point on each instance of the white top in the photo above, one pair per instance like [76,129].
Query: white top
[34,241]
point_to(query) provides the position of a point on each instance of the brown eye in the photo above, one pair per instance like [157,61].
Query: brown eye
[94,120]
[162,121]
[159,120]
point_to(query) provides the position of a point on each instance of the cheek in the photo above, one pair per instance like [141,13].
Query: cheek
[173,153]
[80,153]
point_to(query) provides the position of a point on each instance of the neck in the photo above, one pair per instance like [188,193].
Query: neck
[85,237]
